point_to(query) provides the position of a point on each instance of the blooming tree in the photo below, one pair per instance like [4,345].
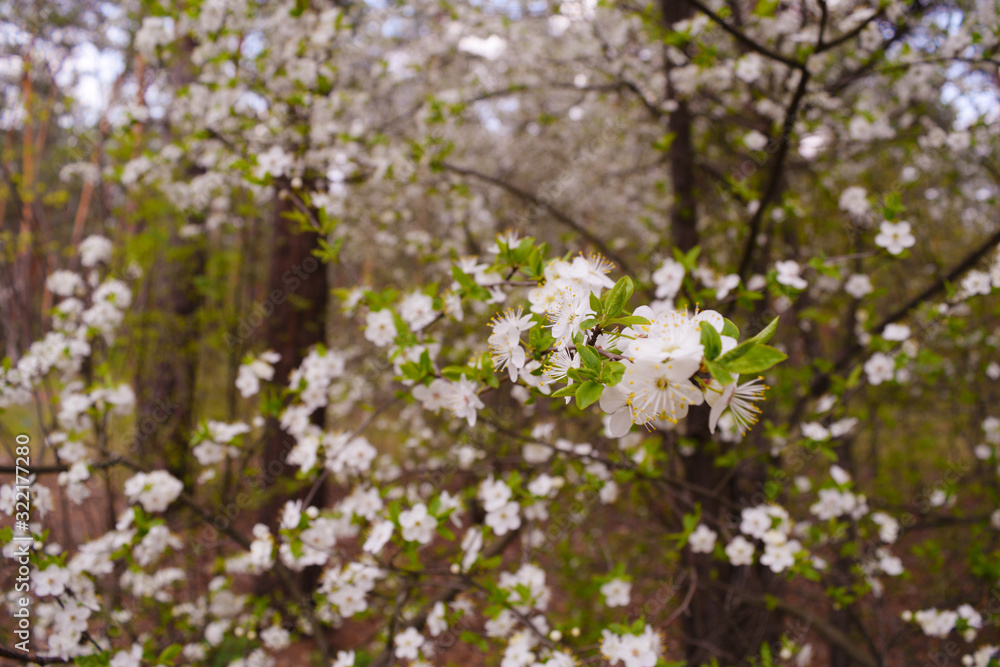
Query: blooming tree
[657,335]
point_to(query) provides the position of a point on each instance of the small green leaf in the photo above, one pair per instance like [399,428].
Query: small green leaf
[169,653]
[568,390]
[766,333]
[618,297]
[711,341]
[595,304]
[455,373]
[588,393]
[591,359]
[756,359]
[730,330]
[719,373]
[854,377]
[617,372]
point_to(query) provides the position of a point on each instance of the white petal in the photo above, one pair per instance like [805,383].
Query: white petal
[712,317]
[621,422]
[612,400]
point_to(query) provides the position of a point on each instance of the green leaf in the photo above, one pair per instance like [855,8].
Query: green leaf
[710,339]
[730,330]
[719,373]
[765,334]
[611,374]
[589,323]
[169,653]
[595,304]
[475,639]
[462,278]
[663,143]
[854,377]
[455,373]
[568,390]
[754,359]
[618,297]
[687,260]
[588,393]
[591,359]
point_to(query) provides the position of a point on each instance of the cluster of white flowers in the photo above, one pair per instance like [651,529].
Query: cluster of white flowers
[154,491]
[505,342]
[642,650]
[313,378]
[661,359]
[565,293]
[347,588]
[502,513]
[839,501]
[95,250]
[260,557]
[790,274]
[460,397]
[526,588]
[668,279]
[253,370]
[939,623]
[833,503]
[982,656]
[771,525]
[213,445]
[722,283]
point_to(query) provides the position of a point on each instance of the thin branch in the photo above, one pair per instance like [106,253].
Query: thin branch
[779,168]
[820,384]
[541,204]
[28,658]
[744,39]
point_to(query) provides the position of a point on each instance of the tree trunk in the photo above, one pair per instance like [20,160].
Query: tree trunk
[297,293]
[717,624]
[166,384]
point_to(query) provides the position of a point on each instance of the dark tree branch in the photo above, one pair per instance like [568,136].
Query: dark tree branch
[744,39]
[28,658]
[543,205]
[776,173]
